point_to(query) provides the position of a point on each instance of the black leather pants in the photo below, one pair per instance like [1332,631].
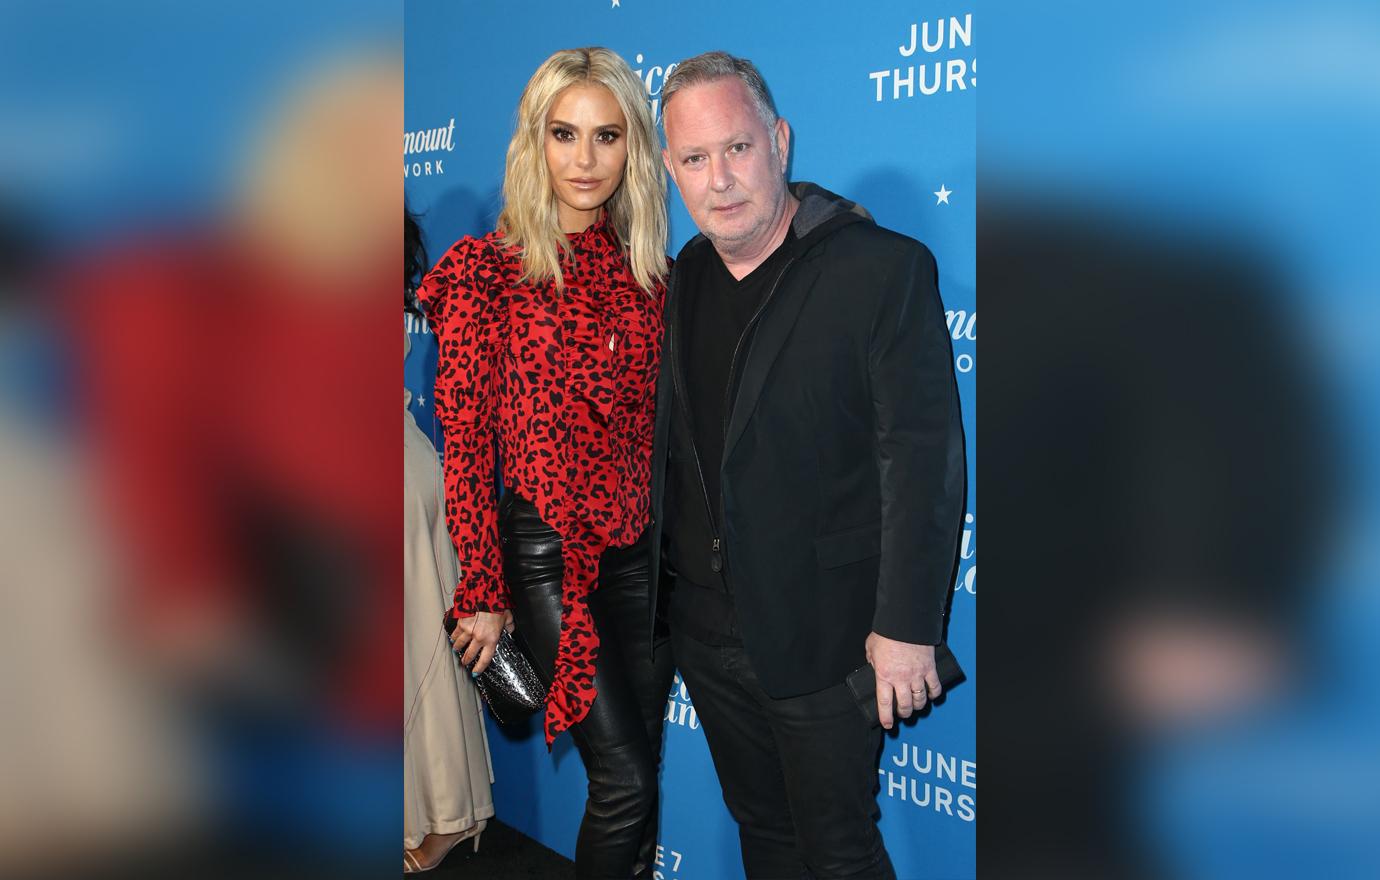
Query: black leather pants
[620,739]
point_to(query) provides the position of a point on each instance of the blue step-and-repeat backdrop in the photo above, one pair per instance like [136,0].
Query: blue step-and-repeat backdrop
[882,102]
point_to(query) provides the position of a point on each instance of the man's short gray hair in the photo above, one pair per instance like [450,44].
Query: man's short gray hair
[711,66]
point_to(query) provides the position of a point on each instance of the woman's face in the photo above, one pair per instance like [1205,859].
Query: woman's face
[586,147]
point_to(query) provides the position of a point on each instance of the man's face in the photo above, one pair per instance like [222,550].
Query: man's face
[720,154]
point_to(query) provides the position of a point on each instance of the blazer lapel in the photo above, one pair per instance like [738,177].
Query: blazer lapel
[773,329]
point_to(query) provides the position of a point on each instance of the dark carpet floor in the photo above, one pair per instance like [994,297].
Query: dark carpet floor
[504,854]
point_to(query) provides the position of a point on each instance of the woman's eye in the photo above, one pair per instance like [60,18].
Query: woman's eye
[563,134]
[608,137]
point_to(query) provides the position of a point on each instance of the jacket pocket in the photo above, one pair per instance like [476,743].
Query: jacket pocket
[849,545]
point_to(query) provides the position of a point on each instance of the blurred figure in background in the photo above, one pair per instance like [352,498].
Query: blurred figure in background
[89,751]
[1178,440]
[1158,516]
[229,378]
[446,770]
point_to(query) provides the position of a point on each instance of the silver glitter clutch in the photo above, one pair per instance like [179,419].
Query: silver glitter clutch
[509,685]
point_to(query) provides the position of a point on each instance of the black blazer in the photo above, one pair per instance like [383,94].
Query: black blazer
[843,474]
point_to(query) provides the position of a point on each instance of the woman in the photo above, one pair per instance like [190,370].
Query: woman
[446,794]
[549,340]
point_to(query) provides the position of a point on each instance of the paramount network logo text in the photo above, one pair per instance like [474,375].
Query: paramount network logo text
[930,77]
[652,80]
[679,709]
[414,324]
[427,140]
[902,778]
[962,329]
[967,551]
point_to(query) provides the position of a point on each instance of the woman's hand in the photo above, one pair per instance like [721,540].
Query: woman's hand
[477,636]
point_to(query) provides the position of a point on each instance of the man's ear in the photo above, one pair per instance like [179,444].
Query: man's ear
[783,141]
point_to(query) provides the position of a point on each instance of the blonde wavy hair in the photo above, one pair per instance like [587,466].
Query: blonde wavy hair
[636,210]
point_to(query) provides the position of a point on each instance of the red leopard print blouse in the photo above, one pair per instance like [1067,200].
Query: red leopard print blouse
[564,385]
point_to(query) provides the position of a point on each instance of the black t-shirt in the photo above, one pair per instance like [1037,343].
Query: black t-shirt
[718,309]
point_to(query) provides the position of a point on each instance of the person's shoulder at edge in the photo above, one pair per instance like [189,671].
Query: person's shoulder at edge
[466,270]
[872,240]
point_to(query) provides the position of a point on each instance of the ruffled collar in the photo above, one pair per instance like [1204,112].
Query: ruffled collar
[599,234]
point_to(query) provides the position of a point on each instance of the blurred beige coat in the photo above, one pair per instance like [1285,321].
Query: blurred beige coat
[446,769]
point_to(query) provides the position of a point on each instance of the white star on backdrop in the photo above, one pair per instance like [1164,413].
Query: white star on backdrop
[941,195]
[615,4]
[421,400]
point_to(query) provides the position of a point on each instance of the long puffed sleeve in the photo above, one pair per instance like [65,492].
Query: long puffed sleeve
[460,300]
[920,449]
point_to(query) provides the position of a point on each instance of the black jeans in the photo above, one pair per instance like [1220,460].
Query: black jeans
[799,775]
[620,739]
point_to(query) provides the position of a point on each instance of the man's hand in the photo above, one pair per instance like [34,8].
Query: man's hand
[906,676]
[477,636]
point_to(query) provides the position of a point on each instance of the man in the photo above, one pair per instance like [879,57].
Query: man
[808,476]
